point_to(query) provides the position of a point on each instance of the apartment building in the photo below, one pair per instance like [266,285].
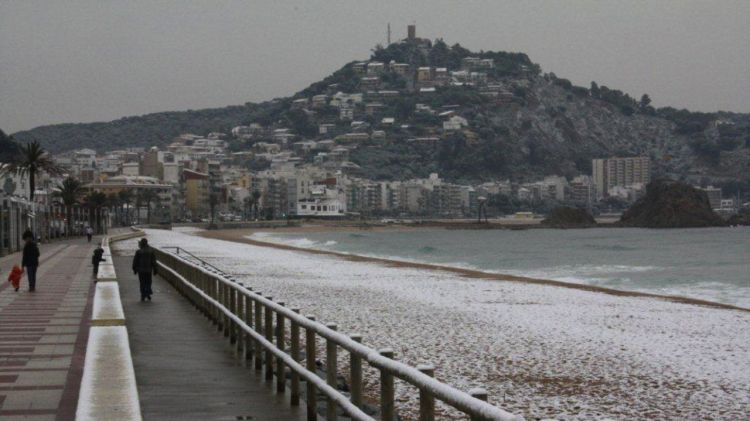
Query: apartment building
[197,190]
[323,202]
[610,172]
[582,190]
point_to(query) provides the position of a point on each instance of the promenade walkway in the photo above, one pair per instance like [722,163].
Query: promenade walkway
[184,368]
[43,334]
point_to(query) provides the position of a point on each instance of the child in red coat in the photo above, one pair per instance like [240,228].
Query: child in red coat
[15,277]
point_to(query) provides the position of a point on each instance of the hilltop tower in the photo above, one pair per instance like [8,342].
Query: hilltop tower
[411,32]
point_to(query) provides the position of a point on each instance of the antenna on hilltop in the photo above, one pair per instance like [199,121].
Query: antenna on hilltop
[389,33]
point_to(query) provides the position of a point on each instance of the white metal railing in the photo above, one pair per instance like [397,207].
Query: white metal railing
[247,318]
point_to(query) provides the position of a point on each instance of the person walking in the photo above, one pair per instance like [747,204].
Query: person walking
[144,265]
[96,259]
[89,233]
[30,260]
[15,277]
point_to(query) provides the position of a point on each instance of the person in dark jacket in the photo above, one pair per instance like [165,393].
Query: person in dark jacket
[30,260]
[144,264]
[96,259]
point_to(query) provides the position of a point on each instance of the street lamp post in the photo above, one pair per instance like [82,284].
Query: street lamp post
[482,203]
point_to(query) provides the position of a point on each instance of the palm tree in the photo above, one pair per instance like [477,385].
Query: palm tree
[126,198]
[95,201]
[33,161]
[69,192]
[256,202]
[147,196]
[249,202]
[231,204]
[213,200]
[113,204]
[482,208]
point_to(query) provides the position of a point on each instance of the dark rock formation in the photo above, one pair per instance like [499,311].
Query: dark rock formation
[567,217]
[671,204]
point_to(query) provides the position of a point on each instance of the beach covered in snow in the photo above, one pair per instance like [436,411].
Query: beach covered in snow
[540,351]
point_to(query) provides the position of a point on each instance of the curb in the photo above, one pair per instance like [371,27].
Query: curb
[108,387]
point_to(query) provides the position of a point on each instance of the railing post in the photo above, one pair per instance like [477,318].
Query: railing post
[202,284]
[387,390]
[331,358]
[210,307]
[426,401]
[216,296]
[240,332]
[227,305]
[220,299]
[259,330]
[480,394]
[312,411]
[248,344]
[280,377]
[355,364]
[237,312]
[207,307]
[222,291]
[294,336]
[269,336]
[233,310]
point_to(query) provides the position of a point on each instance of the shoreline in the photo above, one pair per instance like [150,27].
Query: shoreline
[239,236]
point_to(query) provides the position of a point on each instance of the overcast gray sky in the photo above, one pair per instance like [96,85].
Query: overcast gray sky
[65,61]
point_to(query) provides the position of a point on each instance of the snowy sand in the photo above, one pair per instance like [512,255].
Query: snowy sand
[541,351]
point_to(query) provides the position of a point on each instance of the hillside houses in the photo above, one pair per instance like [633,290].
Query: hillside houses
[455,123]
[476,63]
[304,178]
[307,157]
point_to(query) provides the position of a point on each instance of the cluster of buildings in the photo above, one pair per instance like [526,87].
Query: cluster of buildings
[195,176]
[474,72]
[724,206]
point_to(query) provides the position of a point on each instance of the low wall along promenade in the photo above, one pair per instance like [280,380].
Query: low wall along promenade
[108,387]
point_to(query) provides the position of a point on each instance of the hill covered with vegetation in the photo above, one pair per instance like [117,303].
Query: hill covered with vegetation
[541,124]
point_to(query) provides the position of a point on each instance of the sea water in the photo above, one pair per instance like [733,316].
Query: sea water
[708,263]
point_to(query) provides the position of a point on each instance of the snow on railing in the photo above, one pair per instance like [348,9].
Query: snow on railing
[246,317]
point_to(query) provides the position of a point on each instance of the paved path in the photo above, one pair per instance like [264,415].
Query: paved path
[185,370]
[43,334]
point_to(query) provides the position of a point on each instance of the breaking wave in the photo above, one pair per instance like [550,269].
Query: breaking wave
[303,242]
